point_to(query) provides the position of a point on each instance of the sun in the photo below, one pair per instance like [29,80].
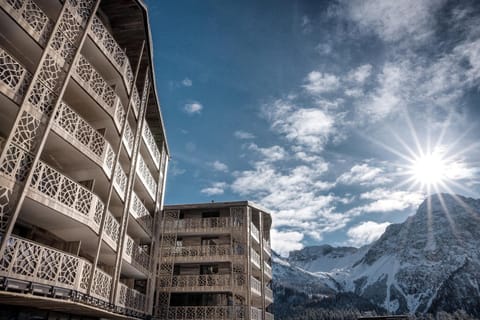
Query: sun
[429,170]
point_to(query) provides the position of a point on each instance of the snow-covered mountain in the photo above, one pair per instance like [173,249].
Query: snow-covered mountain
[430,262]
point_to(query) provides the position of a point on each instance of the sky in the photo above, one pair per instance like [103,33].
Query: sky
[340,117]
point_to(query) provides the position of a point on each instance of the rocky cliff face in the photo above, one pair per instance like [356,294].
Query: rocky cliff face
[430,262]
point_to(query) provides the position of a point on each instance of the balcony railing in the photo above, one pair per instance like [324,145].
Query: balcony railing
[206,313]
[203,253]
[255,233]
[151,145]
[255,257]
[146,177]
[268,294]
[267,269]
[205,282]
[135,255]
[255,314]
[30,17]
[128,139]
[72,126]
[14,78]
[255,286]
[268,316]
[130,299]
[266,247]
[32,262]
[111,230]
[140,213]
[112,51]
[120,182]
[100,90]
[199,224]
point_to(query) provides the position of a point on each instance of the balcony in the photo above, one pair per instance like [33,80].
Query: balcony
[255,233]
[255,258]
[203,253]
[48,269]
[30,17]
[68,124]
[152,148]
[255,286]
[267,248]
[203,283]
[14,78]
[120,182]
[128,139]
[130,299]
[267,269]
[268,295]
[255,314]
[200,225]
[141,214]
[94,84]
[268,316]
[136,256]
[113,52]
[146,177]
[206,313]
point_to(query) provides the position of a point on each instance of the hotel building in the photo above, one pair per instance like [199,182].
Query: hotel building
[83,159]
[215,262]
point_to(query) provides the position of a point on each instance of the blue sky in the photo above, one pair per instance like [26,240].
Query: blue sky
[315,109]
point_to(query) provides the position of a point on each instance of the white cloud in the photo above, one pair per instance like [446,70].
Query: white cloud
[193,108]
[364,174]
[187,82]
[285,241]
[308,127]
[366,232]
[219,166]
[360,74]
[324,48]
[215,188]
[318,82]
[385,200]
[243,135]
[394,20]
[271,154]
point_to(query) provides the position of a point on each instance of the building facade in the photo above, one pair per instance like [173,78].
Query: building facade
[215,262]
[83,159]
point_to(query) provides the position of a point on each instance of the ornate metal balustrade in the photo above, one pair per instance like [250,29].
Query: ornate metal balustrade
[81,9]
[135,255]
[128,139]
[140,213]
[71,125]
[255,233]
[268,294]
[267,269]
[130,299]
[111,230]
[206,313]
[255,314]
[204,253]
[112,51]
[146,177]
[199,224]
[255,257]
[14,78]
[151,145]
[205,282]
[255,286]
[268,316]
[30,17]
[120,182]
[266,247]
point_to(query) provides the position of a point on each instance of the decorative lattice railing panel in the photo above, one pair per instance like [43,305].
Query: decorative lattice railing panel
[141,213]
[255,314]
[130,299]
[151,145]
[14,78]
[30,17]
[205,252]
[111,230]
[205,282]
[267,269]
[206,313]
[146,177]
[128,139]
[255,286]
[199,224]
[120,181]
[255,233]
[268,294]
[255,257]
[136,255]
[30,261]
[102,285]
